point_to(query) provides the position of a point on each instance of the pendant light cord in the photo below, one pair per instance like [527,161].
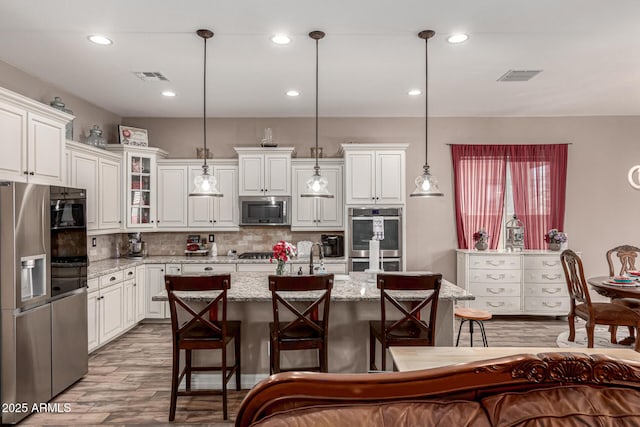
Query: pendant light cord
[204,104]
[426,103]
[317,168]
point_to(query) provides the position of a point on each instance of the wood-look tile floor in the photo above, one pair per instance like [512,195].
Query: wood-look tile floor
[129,379]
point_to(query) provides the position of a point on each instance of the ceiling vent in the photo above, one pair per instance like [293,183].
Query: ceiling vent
[519,75]
[151,76]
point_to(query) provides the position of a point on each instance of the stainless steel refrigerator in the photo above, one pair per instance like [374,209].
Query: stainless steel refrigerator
[29,315]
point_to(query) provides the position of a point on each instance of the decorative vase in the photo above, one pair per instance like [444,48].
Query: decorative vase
[482,245]
[554,246]
[280,268]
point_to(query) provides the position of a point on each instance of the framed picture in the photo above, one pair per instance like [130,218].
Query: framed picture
[133,136]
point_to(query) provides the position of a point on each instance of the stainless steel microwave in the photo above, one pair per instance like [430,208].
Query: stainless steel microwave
[265,210]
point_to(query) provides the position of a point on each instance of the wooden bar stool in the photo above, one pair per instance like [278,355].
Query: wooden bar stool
[472,316]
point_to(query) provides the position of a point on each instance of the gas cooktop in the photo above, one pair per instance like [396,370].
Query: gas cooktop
[255,255]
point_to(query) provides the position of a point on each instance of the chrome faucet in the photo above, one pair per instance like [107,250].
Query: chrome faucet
[311,256]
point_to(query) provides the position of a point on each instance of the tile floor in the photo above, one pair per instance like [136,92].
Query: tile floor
[129,379]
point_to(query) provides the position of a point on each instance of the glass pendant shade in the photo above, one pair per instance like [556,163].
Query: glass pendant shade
[426,185]
[317,187]
[205,185]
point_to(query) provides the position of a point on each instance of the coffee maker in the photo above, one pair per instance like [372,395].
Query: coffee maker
[135,248]
[332,245]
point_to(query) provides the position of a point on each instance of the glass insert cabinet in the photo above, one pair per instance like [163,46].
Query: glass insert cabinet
[140,172]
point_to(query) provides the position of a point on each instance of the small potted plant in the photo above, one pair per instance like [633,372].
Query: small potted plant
[282,252]
[555,239]
[481,237]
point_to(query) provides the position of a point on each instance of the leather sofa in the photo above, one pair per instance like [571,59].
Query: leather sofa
[548,389]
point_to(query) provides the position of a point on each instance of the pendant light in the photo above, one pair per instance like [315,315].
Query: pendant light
[205,184]
[426,184]
[317,184]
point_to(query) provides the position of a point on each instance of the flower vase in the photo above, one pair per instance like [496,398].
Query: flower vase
[482,245]
[554,246]
[280,268]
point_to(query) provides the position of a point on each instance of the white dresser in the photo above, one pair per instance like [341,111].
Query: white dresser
[529,282]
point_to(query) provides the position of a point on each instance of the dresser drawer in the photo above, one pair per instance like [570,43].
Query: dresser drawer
[490,289]
[129,273]
[544,276]
[207,268]
[497,305]
[494,262]
[545,290]
[543,262]
[111,279]
[494,276]
[547,305]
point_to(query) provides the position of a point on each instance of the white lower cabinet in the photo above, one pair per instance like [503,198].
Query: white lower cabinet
[140,292]
[154,284]
[111,312]
[129,303]
[208,268]
[527,282]
[93,320]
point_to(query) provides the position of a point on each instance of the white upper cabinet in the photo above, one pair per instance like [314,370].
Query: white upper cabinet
[264,171]
[139,183]
[33,140]
[374,173]
[172,195]
[99,172]
[322,214]
[218,213]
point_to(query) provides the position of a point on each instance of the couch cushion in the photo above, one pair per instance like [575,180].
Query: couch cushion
[457,413]
[565,406]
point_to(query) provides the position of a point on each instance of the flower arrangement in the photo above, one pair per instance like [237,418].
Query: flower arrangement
[480,235]
[555,236]
[282,252]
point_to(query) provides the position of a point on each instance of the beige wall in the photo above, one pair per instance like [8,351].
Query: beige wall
[87,114]
[602,209]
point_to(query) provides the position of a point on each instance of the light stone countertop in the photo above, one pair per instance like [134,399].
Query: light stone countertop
[112,265]
[254,287]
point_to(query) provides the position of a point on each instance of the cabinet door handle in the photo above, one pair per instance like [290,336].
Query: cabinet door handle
[161,270]
[26,172]
[135,284]
[550,290]
[494,304]
[377,198]
[208,268]
[554,305]
[210,220]
[496,276]
[177,269]
[31,173]
[551,277]
[495,290]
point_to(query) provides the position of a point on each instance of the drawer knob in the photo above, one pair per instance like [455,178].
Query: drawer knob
[112,278]
[208,268]
[130,273]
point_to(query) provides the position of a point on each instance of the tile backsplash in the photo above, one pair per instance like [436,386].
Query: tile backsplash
[248,239]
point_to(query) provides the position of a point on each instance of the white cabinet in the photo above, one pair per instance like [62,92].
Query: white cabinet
[217,213]
[264,171]
[154,284]
[527,282]
[375,173]
[93,320]
[172,195]
[322,214]
[111,312]
[140,293]
[99,173]
[129,291]
[207,268]
[139,182]
[33,140]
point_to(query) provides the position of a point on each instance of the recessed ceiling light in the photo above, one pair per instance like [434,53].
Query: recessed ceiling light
[293,93]
[169,93]
[281,39]
[457,38]
[101,40]
[415,92]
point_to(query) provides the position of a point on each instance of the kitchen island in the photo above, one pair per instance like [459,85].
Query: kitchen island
[354,302]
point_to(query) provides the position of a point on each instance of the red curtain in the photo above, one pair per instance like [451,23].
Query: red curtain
[538,177]
[479,173]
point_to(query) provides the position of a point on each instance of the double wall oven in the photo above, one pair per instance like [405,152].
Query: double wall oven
[362,221]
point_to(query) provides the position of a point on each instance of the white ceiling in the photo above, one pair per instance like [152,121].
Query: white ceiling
[589,51]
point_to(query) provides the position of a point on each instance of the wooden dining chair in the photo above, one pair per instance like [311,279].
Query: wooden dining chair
[594,313]
[194,329]
[308,330]
[627,255]
[409,330]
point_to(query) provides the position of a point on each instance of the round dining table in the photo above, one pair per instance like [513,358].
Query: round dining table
[602,286]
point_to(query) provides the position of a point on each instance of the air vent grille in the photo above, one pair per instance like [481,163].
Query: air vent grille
[519,75]
[151,76]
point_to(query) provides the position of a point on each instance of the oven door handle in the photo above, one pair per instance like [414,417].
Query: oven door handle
[370,218]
